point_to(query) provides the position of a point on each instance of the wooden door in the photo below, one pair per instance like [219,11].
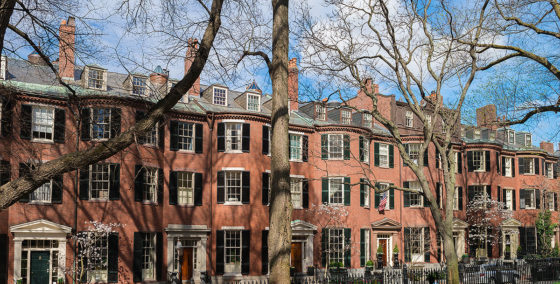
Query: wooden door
[383,244]
[187,265]
[296,259]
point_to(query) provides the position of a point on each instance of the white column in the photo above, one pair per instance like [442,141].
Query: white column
[17,259]
[61,258]
[170,247]
[309,251]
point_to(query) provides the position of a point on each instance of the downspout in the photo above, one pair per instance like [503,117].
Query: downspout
[76,193]
[401,209]
[210,167]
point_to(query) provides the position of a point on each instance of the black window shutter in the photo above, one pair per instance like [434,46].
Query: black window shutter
[139,177]
[160,186]
[324,146]
[460,162]
[427,244]
[521,166]
[220,252]
[513,167]
[173,137]
[489,192]
[426,154]
[498,163]
[346,140]
[347,191]
[556,201]
[5,172]
[522,240]
[305,193]
[59,125]
[159,256]
[141,139]
[221,137]
[305,148]
[502,193]
[172,188]
[438,192]
[115,122]
[521,199]
[245,187]
[113,258]
[25,126]
[348,245]
[536,163]
[57,189]
[325,190]
[361,148]
[470,162]
[245,251]
[406,151]
[265,187]
[86,124]
[264,252]
[221,187]
[537,199]
[362,192]
[391,156]
[376,154]
[513,199]
[406,200]
[503,166]
[198,146]
[324,246]
[114,191]
[246,138]
[377,197]
[437,159]
[7,109]
[391,197]
[470,194]
[137,257]
[4,258]
[460,199]
[198,189]
[487,160]
[362,247]
[407,253]
[84,183]
[265,139]
[161,134]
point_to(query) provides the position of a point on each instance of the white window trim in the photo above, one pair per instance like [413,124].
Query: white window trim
[226,96]
[533,200]
[341,189]
[531,169]
[509,204]
[508,133]
[419,195]
[155,196]
[530,138]
[240,136]
[321,115]
[31,201]
[549,202]
[193,137]
[346,114]
[381,165]
[456,199]
[511,169]
[153,256]
[549,170]
[482,167]
[33,122]
[300,159]
[91,181]
[103,75]
[300,181]
[186,204]
[226,200]
[145,84]
[329,146]
[92,123]
[409,117]
[156,127]
[258,102]
[226,262]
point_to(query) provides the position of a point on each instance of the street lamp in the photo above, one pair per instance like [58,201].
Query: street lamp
[179,248]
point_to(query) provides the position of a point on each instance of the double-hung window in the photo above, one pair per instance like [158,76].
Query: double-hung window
[336,146]
[346,116]
[365,150]
[508,193]
[508,166]
[367,120]
[409,119]
[550,204]
[511,136]
[185,136]
[336,190]
[295,147]
[383,155]
[97,258]
[528,141]
[414,151]
[530,198]
[549,170]
[415,198]
[480,195]
[43,123]
[232,253]
[297,194]
[152,136]
[95,78]
[320,112]
[220,96]
[456,199]
[100,182]
[138,85]
[336,245]
[233,186]
[233,137]
[148,256]
[150,185]
[100,123]
[253,102]
[185,188]
[43,193]
[479,161]
[415,243]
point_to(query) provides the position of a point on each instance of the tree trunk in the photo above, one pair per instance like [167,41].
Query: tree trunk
[6,10]
[280,236]
[450,256]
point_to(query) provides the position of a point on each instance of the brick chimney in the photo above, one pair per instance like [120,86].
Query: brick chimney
[66,48]
[486,116]
[293,88]
[547,146]
[189,59]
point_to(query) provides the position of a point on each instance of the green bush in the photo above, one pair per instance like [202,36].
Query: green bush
[369,263]
[380,250]
[396,249]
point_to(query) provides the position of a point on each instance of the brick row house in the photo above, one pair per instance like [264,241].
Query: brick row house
[198,184]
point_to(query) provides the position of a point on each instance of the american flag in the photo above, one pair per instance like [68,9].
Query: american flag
[383,202]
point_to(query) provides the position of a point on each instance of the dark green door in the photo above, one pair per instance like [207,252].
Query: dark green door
[40,262]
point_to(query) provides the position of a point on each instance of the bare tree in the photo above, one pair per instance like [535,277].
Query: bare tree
[415,46]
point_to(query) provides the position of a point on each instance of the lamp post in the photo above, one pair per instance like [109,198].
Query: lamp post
[179,248]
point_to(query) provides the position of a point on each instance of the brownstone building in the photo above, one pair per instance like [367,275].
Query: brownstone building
[200,179]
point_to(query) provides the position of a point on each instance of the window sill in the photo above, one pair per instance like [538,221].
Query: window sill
[479,171]
[528,174]
[42,141]
[232,152]
[99,139]
[186,205]
[233,203]
[297,161]
[40,202]
[97,200]
[335,159]
[149,202]
[183,151]
[383,166]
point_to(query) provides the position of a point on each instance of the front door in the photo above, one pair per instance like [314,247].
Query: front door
[296,259]
[383,245]
[187,265]
[40,262]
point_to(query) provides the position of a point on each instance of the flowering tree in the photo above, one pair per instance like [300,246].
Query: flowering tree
[92,249]
[485,217]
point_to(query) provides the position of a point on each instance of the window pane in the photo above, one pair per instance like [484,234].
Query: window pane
[95,78]
[233,136]
[42,193]
[185,135]
[219,96]
[295,147]
[232,251]
[336,193]
[295,188]
[233,186]
[100,181]
[43,122]
[100,123]
[138,85]
[150,185]
[253,103]
[336,146]
[185,188]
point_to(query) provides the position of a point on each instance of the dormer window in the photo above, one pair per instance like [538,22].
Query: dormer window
[320,112]
[511,136]
[138,85]
[253,102]
[477,134]
[528,140]
[367,120]
[219,96]
[346,114]
[409,120]
[95,78]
